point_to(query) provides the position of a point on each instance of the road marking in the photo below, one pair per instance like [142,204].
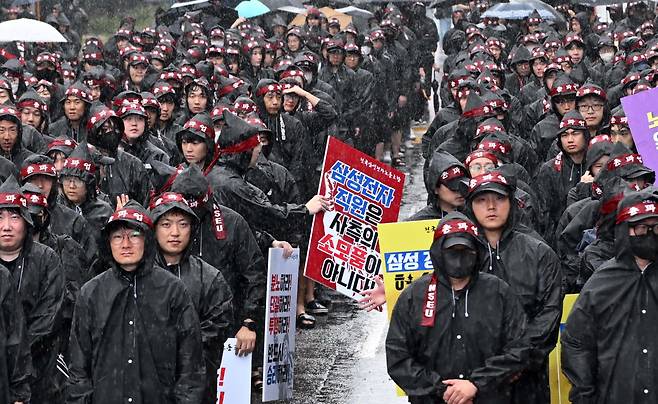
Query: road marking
[377,325]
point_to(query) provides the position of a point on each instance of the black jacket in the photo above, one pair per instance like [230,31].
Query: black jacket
[135,337]
[64,220]
[37,275]
[484,346]
[212,299]
[95,210]
[126,175]
[609,342]
[532,270]
[15,358]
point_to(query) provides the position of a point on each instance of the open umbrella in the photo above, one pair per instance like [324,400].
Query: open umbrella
[518,10]
[28,30]
[328,12]
[355,12]
[251,8]
[278,4]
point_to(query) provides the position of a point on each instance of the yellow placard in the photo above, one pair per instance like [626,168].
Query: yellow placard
[404,249]
[560,386]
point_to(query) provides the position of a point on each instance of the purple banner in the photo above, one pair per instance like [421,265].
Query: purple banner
[642,112]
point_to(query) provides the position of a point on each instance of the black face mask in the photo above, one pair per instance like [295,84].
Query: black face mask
[46,74]
[40,223]
[645,247]
[456,263]
[107,140]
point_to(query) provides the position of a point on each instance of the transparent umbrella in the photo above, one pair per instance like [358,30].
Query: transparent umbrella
[28,30]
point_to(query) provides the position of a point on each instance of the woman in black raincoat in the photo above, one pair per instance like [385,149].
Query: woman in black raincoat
[609,342]
[458,332]
[530,267]
[135,335]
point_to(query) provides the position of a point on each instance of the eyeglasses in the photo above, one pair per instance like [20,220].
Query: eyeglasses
[593,108]
[11,130]
[481,168]
[644,229]
[133,237]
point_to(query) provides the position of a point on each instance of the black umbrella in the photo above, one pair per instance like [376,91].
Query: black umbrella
[277,4]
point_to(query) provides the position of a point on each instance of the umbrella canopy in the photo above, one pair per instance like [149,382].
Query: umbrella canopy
[518,10]
[251,8]
[355,12]
[278,4]
[28,30]
[328,12]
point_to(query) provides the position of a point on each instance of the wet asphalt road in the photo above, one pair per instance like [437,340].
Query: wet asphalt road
[342,360]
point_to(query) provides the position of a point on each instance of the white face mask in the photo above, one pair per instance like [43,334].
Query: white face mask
[217,42]
[365,50]
[308,76]
[607,56]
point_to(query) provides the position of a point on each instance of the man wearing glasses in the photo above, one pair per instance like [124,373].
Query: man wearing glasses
[135,336]
[609,345]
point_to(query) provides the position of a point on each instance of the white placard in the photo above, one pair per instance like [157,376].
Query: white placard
[280,322]
[234,376]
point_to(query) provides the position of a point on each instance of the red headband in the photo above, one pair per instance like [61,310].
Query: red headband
[479,155]
[488,178]
[600,138]
[634,210]
[38,169]
[36,199]
[619,120]
[495,146]
[34,104]
[209,131]
[167,198]
[276,88]
[131,214]
[452,173]
[455,226]
[80,164]
[99,116]
[573,122]
[624,160]
[483,129]
[17,200]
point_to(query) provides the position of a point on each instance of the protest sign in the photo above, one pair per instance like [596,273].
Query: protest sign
[642,113]
[560,386]
[233,375]
[404,248]
[343,253]
[279,350]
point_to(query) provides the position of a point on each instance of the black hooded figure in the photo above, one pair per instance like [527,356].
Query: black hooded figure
[532,270]
[211,295]
[64,126]
[18,153]
[612,328]
[79,166]
[290,144]
[456,323]
[125,174]
[37,275]
[443,170]
[199,128]
[135,335]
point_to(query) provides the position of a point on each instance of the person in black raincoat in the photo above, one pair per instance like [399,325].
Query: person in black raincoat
[38,277]
[609,343]
[74,271]
[11,130]
[520,75]
[598,154]
[557,176]
[15,359]
[166,96]
[530,267]
[152,107]
[175,225]
[226,242]
[78,188]
[290,143]
[135,138]
[76,104]
[446,184]
[196,143]
[135,335]
[122,173]
[40,171]
[562,100]
[456,335]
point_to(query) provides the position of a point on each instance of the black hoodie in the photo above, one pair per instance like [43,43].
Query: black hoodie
[135,334]
[476,336]
[609,342]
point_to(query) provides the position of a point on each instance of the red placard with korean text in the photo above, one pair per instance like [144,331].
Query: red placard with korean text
[343,253]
